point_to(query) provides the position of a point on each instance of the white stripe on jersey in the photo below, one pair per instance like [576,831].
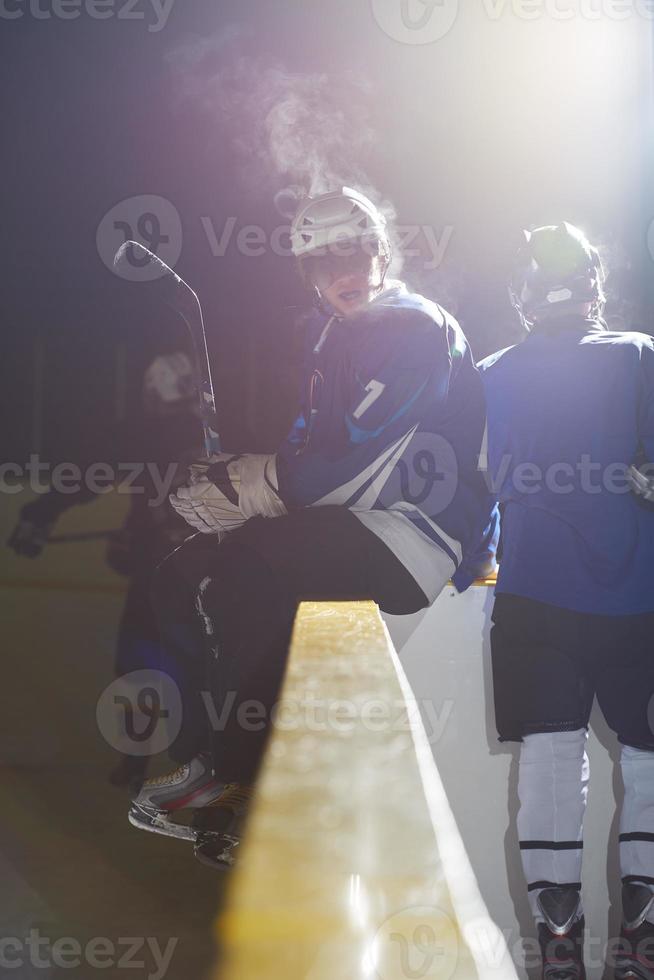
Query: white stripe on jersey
[409,509]
[430,566]
[482,465]
[386,461]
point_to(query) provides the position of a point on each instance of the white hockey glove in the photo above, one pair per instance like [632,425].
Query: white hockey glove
[641,484]
[259,492]
[227,490]
[209,502]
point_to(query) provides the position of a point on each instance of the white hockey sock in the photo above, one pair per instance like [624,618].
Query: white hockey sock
[637,818]
[553,788]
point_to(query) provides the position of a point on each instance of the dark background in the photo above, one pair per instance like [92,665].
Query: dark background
[500,125]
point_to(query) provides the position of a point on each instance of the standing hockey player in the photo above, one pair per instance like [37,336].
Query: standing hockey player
[375,494]
[568,410]
[168,430]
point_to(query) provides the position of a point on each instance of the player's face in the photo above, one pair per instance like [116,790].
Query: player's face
[349,280]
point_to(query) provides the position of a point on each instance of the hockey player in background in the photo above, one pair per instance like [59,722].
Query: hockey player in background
[167,431]
[375,494]
[568,410]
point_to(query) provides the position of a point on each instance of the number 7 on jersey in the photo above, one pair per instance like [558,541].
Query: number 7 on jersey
[374,389]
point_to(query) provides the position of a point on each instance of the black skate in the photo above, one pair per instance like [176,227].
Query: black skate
[161,800]
[635,955]
[219,827]
[561,935]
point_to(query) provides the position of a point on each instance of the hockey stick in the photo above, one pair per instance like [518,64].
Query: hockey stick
[82,536]
[177,294]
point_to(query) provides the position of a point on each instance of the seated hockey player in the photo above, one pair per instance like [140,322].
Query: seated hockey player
[568,410]
[375,494]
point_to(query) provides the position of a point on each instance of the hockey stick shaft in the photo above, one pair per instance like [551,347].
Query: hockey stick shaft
[82,536]
[177,294]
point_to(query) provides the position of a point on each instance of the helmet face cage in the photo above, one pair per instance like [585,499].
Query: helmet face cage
[337,234]
[323,266]
[556,270]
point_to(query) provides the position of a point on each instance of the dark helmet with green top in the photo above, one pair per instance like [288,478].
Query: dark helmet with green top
[556,270]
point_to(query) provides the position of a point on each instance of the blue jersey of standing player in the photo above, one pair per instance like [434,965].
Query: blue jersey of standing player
[568,410]
[391,426]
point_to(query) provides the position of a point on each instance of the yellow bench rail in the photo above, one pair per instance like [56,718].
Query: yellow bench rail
[353,867]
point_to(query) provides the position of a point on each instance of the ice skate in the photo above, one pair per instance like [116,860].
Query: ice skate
[219,827]
[634,958]
[192,786]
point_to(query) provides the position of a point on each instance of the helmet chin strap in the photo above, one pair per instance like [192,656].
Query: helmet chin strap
[597,311]
[380,288]
[322,305]
[517,306]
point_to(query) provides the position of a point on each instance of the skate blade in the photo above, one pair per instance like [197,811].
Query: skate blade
[217,851]
[158,822]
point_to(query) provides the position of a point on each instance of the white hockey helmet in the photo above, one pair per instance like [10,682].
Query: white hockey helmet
[334,218]
[168,379]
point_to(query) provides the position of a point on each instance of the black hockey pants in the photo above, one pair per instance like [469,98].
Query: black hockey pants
[248,589]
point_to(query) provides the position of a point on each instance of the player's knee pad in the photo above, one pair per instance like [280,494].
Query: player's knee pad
[638,769]
[553,783]
[554,749]
[553,787]
[638,777]
[546,758]
[554,754]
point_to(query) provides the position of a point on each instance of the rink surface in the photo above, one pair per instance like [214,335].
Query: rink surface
[70,864]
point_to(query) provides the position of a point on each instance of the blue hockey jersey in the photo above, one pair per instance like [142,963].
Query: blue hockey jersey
[391,426]
[568,409]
